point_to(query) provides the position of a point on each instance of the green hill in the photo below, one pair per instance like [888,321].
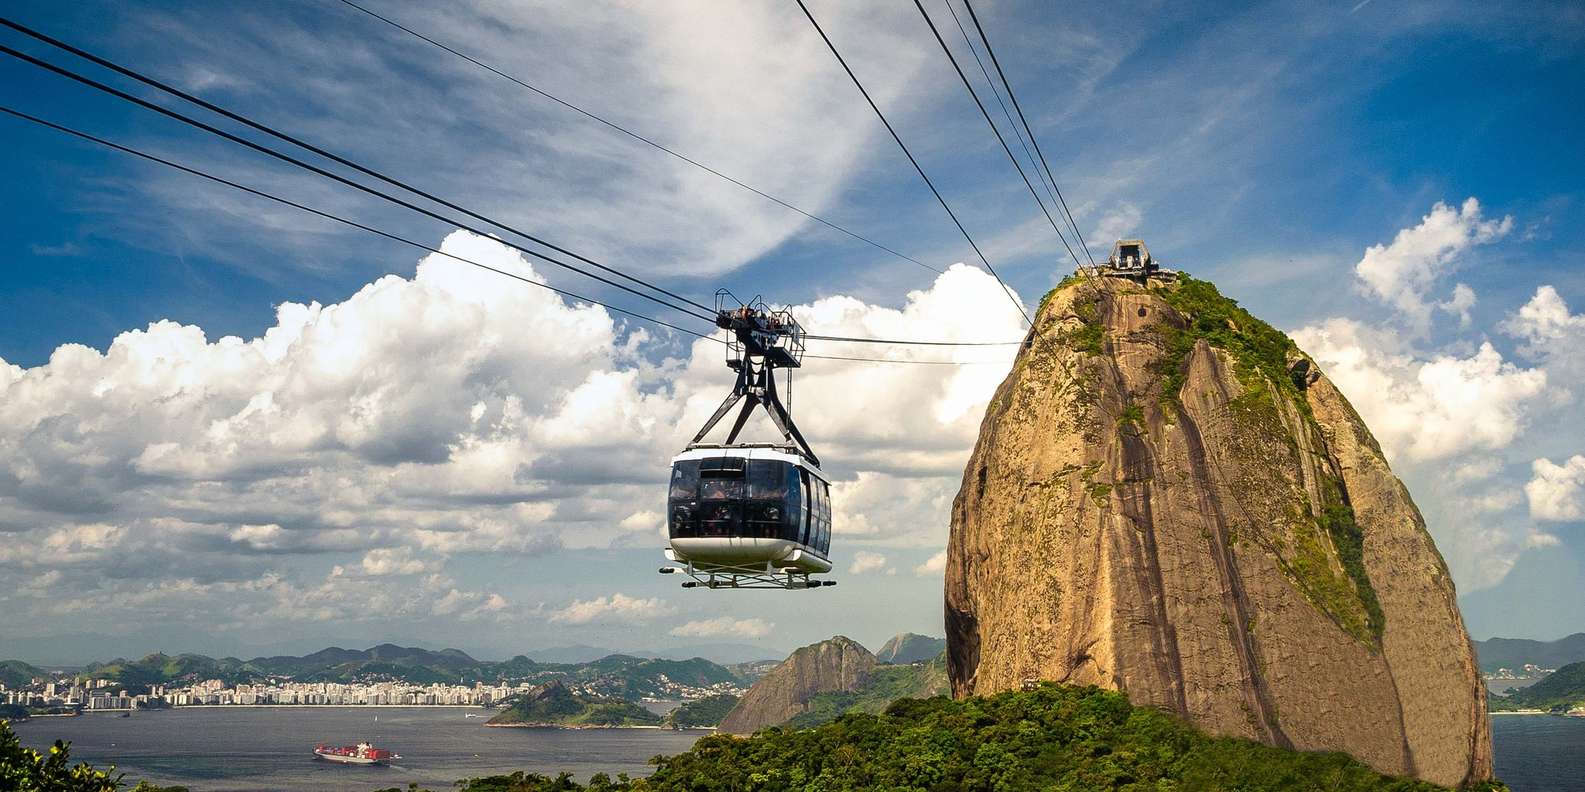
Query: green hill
[1055,737]
[886,684]
[705,712]
[1560,691]
[553,704]
[15,673]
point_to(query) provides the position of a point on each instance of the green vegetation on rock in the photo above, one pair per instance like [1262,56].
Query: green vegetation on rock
[1257,348]
[886,685]
[1561,691]
[1056,738]
[701,713]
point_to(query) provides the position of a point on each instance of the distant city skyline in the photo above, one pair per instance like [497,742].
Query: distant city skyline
[230,425]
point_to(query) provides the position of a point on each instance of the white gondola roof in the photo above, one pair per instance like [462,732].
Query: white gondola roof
[776,453]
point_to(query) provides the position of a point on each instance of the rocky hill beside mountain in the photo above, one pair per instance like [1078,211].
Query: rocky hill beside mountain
[910,648]
[554,704]
[1168,498]
[886,685]
[835,665]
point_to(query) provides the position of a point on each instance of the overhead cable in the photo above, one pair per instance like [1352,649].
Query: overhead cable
[909,343]
[1036,143]
[910,155]
[994,130]
[403,240]
[636,136]
[1007,114]
[343,180]
[173,91]
[330,216]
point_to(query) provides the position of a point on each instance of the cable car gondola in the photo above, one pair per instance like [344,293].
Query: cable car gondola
[751,515]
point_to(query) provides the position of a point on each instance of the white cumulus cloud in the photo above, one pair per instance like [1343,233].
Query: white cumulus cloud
[933,565]
[865,562]
[614,608]
[1423,408]
[1557,492]
[1403,273]
[724,627]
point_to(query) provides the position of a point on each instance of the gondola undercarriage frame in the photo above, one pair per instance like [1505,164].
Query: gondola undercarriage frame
[762,576]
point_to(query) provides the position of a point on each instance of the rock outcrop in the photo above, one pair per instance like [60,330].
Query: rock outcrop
[1168,498]
[839,664]
[904,648]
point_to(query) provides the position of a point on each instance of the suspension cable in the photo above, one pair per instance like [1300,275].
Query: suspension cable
[420,245]
[210,106]
[911,159]
[994,130]
[1036,143]
[330,216]
[636,136]
[341,179]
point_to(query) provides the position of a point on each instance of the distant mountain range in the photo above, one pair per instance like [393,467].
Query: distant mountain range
[1516,652]
[616,675]
[723,653]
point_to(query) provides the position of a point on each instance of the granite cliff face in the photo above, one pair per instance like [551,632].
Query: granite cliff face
[839,664]
[1169,499]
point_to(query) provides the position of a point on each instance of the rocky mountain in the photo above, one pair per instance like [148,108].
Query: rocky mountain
[554,704]
[886,685]
[1562,690]
[1516,652]
[834,665]
[1168,498]
[910,648]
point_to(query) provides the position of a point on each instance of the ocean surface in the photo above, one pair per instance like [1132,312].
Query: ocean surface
[242,749]
[259,749]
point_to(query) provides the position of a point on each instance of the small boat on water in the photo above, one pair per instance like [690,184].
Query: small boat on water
[361,754]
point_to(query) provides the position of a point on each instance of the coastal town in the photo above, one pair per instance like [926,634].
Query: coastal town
[44,696]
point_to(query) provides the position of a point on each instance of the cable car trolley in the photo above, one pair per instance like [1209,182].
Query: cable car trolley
[751,515]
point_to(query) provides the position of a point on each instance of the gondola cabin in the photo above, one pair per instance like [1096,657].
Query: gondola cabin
[748,509]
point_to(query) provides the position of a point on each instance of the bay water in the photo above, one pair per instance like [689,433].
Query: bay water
[254,749]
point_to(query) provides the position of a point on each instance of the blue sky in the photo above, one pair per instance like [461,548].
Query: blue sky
[1267,147]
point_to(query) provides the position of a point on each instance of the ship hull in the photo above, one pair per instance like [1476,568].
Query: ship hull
[353,760]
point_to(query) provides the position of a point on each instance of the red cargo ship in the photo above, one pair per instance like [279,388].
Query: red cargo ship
[363,754]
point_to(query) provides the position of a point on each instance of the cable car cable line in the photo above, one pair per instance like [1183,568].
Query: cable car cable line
[641,138]
[994,130]
[918,342]
[210,106]
[336,218]
[911,159]
[420,245]
[338,178]
[1007,114]
[1020,110]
